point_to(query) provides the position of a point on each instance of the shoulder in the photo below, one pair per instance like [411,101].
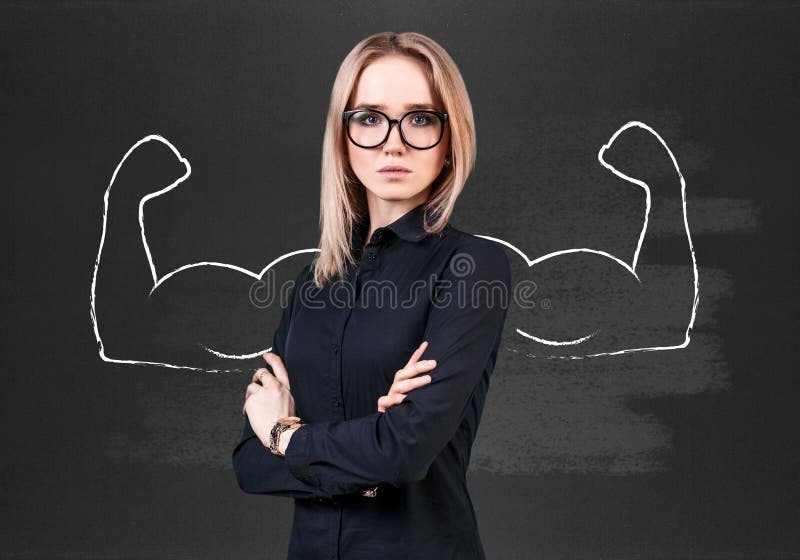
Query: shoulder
[488,259]
[305,275]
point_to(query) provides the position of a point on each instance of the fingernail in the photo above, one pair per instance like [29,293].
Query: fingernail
[428,378]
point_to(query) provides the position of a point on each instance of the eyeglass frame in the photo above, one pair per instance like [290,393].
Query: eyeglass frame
[443,118]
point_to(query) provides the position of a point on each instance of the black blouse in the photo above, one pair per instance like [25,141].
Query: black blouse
[342,346]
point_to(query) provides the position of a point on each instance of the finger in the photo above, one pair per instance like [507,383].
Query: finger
[410,384]
[383,402]
[278,368]
[259,373]
[414,369]
[388,401]
[424,365]
[395,399]
[244,406]
[417,353]
[252,389]
[263,377]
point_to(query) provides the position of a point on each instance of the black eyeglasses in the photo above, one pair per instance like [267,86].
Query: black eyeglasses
[369,128]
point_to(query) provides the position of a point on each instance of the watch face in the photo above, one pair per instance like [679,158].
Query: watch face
[289,419]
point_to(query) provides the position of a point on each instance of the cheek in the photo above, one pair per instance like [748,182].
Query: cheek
[433,162]
[359,159]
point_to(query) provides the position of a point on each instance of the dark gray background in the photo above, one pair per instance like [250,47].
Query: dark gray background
[687,453]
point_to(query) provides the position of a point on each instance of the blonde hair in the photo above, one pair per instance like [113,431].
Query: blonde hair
[343,204]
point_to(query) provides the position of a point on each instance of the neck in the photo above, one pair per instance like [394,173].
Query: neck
[384,212]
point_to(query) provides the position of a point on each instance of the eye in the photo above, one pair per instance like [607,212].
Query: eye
[421,119]
[368,118]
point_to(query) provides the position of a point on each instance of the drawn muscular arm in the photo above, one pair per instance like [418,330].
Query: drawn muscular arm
[145,309]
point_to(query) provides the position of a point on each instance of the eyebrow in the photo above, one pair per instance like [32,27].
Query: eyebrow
[408,106]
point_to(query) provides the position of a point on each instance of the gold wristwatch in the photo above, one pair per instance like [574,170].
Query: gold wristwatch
[275,433]
[291,422]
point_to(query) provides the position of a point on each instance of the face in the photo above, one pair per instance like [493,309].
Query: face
[396,85]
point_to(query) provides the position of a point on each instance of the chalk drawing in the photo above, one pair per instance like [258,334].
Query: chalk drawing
[159,280]
[630,268]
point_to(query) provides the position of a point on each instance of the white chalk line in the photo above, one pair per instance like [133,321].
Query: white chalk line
[157,281]
[630,268]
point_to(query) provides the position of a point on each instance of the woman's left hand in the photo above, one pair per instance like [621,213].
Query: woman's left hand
[268,397]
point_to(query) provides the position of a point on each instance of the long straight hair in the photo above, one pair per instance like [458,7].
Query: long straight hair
[343,202]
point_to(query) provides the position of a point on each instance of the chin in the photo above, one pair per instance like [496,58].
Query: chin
[395,190]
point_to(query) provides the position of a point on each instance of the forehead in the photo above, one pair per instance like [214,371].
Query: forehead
[394,81]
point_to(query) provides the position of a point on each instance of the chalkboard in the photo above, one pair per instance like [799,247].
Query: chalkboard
[636,160]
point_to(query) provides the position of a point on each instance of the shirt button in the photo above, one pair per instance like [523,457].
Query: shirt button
[335,348]
[337,403]
[371,257]
[370,493]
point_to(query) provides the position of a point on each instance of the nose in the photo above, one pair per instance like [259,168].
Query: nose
[394,143]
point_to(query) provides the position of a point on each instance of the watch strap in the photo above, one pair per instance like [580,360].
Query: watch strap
[278,428]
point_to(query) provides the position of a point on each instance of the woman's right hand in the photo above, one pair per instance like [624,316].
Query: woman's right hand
[404,380]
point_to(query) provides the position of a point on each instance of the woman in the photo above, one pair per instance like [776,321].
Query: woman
[374,456]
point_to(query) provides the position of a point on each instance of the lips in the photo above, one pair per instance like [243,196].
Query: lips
[395,168]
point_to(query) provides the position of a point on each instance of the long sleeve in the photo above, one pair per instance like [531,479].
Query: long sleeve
[258,470]
[463,330]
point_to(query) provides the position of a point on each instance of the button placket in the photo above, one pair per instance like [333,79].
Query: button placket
[370,257]
[336,379]
[336,402]
[370,252]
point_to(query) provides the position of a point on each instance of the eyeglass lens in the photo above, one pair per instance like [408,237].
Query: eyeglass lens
[420,129]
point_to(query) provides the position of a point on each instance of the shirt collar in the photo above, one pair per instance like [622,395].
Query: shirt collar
[410,227]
